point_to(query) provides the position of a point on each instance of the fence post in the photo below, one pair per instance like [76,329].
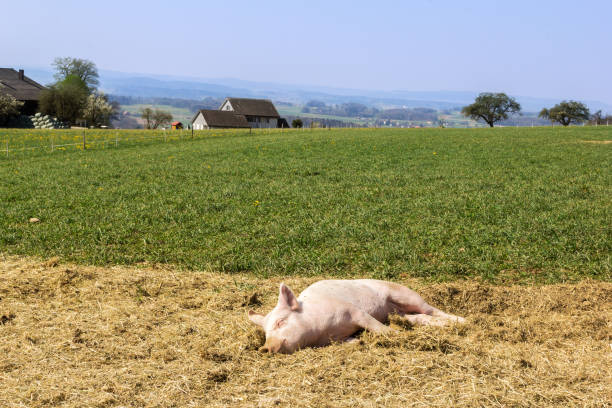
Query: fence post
[51,143]
[116,138]
[84,147]
[7,149]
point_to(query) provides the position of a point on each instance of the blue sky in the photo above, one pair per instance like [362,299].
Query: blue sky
[544,48]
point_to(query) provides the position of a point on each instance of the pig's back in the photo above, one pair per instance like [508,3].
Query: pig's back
[369,295]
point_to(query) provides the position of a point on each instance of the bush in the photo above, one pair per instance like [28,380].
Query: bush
[9,108]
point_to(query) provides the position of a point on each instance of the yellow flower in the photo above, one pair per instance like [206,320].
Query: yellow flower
[256,203]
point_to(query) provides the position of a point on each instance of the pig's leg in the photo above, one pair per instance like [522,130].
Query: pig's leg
[423,320]
[367,322]
[351,340]
[407,302]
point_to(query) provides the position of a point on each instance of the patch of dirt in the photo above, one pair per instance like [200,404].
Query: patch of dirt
[75,336]
[597,141]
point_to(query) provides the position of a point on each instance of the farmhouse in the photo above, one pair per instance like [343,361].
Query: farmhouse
[217,119]
[22,88]
[259,113]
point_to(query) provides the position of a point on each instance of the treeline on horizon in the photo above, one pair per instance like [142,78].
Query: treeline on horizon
[359,110]
[192,104]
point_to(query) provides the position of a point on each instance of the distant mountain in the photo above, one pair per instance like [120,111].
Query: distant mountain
[149,85]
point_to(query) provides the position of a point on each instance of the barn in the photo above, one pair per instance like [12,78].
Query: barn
[217,119]
[22,88]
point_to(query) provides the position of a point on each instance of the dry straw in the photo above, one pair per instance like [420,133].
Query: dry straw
[76,336]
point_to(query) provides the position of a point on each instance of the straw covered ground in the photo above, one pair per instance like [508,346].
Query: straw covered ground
[153,336]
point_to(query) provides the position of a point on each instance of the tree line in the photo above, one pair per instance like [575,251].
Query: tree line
[191,104]
[358,110]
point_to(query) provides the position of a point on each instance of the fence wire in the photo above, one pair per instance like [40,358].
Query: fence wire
[44,141]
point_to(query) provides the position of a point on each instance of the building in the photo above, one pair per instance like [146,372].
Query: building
[259,113]
[22,88]
[177,125]
[217,119]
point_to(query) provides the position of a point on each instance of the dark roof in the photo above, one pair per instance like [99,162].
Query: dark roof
[253,107]
[223,119]
[21,89]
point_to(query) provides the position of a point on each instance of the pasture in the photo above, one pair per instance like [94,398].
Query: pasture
[512,204]
[133,287]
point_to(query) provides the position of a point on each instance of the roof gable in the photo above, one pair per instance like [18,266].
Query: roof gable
[21,89]
[253,107]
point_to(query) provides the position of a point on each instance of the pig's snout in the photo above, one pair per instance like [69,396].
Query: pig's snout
[274,345]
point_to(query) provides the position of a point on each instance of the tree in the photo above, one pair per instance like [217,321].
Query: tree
[161,118]
[82,68]
[566,113]
[98,111]
[147,115]
[155,118]
[9,108]
[65,100]
[297,123]
[491,107]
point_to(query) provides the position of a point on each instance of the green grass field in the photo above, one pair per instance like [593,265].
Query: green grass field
[512,204]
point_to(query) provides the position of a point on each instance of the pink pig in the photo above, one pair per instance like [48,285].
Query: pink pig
[333,310]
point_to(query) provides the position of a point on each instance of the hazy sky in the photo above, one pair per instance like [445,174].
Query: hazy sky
[547,48]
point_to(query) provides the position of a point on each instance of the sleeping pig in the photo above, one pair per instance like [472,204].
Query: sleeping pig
[333,310]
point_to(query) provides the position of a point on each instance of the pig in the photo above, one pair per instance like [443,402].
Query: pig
[333,310]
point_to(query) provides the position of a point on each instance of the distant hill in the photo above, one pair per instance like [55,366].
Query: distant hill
[148,85]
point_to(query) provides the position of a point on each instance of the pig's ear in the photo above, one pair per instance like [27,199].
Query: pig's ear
[287,298]
[256,318]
